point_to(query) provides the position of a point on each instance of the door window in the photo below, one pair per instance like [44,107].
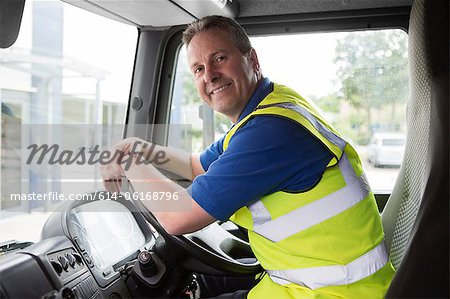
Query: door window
[359,81]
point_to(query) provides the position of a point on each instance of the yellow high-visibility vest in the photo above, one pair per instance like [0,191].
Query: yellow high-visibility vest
[326,242]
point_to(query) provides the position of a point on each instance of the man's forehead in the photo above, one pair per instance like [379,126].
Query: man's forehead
[211,40]
[212,37]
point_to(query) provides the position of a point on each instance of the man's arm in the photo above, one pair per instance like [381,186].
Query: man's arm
[177,161]
[180,216]
[197,168]
[174,160]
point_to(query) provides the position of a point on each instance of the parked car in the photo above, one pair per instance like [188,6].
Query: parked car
[386,149]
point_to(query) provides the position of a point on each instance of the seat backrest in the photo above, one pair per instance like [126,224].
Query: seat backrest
[415,218]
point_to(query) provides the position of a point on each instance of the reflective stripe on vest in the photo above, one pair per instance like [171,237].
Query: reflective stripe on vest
[327,133]
[335,275]
[313,213]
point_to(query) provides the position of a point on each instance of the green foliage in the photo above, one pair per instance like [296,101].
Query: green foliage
[328,103]
[190,94]
[221,123]
[351,126]
[372,67]
[373,73]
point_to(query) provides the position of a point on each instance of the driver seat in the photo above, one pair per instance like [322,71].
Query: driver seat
[415,218]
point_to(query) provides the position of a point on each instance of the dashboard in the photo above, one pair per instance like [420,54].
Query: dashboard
[112,249]
[85,252]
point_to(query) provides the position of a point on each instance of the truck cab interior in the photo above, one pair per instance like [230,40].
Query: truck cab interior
[96,247]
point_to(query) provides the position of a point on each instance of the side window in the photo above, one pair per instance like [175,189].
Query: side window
[359,81]
[65,70]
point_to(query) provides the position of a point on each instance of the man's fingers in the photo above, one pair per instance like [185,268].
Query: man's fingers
[111,171]
[117,185]
[113,185]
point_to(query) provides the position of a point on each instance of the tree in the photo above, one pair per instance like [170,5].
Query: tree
[329,103]
[372,70]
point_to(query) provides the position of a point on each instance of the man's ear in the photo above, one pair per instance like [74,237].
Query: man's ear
[255,61]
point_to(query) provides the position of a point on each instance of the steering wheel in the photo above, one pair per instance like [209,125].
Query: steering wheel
[216,249]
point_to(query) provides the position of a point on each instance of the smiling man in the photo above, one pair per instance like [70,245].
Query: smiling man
[282,172]
[224,77]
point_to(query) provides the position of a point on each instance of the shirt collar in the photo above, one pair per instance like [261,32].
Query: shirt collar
[262,90]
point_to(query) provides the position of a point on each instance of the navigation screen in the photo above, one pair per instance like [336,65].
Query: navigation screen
[107,230]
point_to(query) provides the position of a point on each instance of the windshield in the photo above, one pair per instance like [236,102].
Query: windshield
[65,73]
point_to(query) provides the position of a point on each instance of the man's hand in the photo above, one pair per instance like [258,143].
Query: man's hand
[113,172]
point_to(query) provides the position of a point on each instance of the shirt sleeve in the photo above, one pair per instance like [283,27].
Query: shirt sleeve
[211,154]
[266,155]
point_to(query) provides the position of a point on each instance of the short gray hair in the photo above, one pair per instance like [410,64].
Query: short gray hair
[238,35]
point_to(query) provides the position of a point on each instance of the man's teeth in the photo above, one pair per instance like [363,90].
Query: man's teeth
[220,89]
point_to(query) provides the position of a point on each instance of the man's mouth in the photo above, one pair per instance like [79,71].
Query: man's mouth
[222,88]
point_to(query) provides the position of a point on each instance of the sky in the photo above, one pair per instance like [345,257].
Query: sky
[306,63]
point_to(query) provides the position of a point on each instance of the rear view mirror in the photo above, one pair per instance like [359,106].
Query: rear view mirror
[10,18]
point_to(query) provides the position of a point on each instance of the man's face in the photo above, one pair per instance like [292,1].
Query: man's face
[225,78]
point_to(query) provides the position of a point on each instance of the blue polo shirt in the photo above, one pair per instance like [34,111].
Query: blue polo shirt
[266,155]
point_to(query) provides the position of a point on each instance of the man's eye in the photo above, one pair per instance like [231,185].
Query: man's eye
[220,58]
[198,70]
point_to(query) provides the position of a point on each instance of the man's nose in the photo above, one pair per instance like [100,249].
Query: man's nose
[211,74]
